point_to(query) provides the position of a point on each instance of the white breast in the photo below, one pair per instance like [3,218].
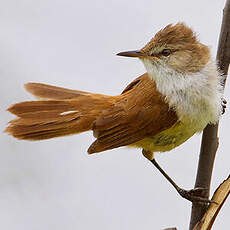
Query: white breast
[196,97]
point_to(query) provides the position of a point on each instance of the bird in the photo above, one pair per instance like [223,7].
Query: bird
[180,93]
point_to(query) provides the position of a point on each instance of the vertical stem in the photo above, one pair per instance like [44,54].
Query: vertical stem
[210,142]
[204,171]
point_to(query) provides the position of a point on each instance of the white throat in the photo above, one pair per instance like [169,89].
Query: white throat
[196,97]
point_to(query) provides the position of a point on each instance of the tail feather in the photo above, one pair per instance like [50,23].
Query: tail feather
[28,107]
[52,92]
[39,130]
[38,120]
[45,118]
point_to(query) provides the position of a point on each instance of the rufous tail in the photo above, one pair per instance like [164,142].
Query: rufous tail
[63,112]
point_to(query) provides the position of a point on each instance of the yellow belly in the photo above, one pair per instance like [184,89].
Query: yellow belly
[168,139]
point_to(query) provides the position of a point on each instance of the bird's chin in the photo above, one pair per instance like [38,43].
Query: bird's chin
[150,64]
[150,61]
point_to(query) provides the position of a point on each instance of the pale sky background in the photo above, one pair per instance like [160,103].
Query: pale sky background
[54,184]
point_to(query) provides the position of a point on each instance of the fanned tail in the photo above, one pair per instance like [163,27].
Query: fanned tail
[66,112]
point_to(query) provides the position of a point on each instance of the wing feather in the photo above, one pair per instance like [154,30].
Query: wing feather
[140,111]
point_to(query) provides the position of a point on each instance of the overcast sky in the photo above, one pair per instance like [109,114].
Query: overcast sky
[54,184]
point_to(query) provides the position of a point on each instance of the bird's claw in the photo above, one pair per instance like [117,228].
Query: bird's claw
[223,103]
[195,195]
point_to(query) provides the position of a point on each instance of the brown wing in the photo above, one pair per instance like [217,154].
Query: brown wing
[140,111]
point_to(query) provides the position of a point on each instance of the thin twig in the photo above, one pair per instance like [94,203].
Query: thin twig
[210,139]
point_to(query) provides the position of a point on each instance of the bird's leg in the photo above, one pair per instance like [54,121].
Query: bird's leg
[193,195]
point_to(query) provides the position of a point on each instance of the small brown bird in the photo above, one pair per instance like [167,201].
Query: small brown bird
[178,96]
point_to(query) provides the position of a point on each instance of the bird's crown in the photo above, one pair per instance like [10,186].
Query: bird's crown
[177,46]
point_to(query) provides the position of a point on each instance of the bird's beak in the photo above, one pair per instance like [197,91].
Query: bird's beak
[134,53]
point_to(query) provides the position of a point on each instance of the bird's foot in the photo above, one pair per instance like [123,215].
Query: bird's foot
[223,103]
[195,195]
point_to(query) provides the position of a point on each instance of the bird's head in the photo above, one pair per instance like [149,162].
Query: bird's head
[175,47]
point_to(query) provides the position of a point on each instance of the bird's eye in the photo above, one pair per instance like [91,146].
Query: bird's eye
[166,52]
